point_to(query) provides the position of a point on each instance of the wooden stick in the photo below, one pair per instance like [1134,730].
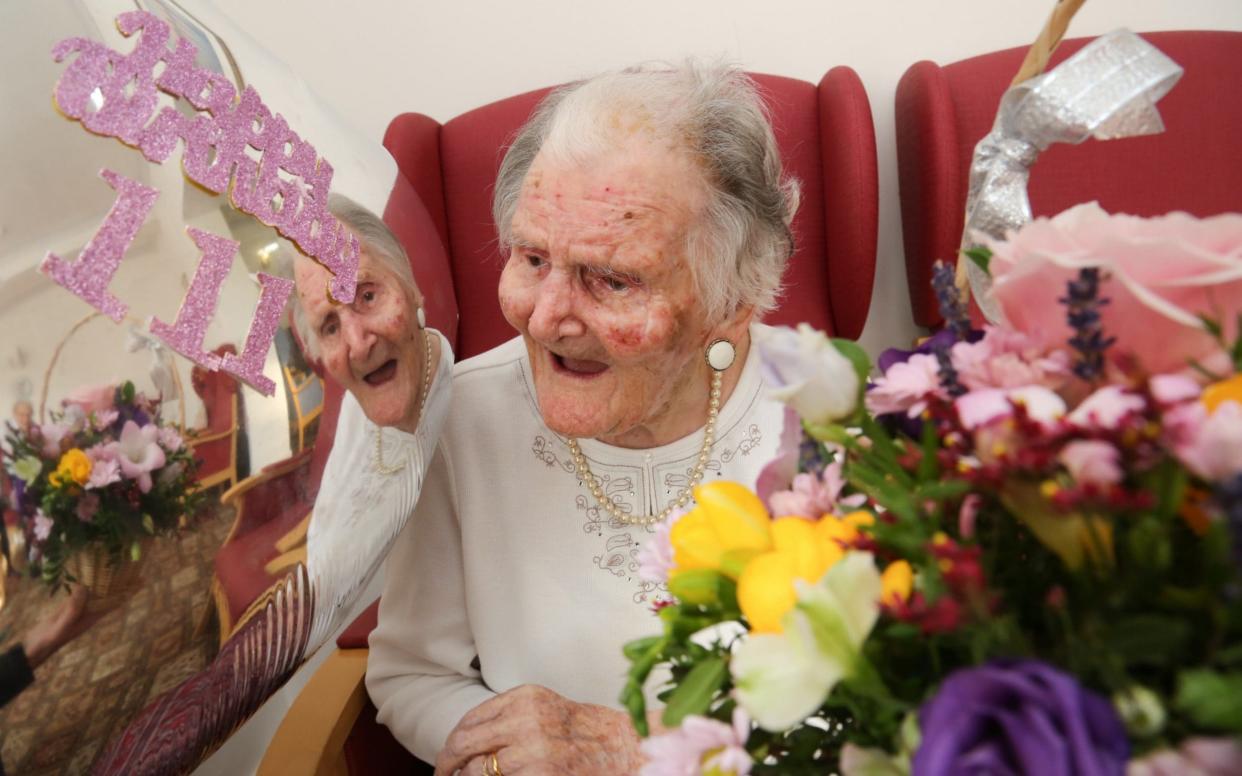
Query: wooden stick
[1033,64]
[1040,52]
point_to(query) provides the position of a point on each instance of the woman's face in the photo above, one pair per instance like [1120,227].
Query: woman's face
[597,282]
[372,347]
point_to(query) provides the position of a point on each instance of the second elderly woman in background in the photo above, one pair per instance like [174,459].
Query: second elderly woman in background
[647,225]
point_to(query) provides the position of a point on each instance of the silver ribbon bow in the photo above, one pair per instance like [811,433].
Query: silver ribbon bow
[161,362]
[1107,90]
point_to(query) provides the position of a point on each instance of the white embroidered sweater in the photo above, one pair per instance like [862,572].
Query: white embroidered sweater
[509,573]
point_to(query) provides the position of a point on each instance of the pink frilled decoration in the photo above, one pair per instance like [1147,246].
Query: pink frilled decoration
[248,367]
[89,276]
[287,187]
[199,305]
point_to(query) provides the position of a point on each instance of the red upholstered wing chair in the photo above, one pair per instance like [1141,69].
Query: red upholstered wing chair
[942,112]
[827,140]
[215,446]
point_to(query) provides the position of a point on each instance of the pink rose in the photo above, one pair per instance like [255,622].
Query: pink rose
[92,398]
[1158,275]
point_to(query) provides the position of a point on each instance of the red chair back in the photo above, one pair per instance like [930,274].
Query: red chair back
[942,112]
[826,139]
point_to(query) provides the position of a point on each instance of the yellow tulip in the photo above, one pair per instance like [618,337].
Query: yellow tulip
[737,514]
[1217,394]
[810,555]
[896,583]
[729,519]
[840,532]
[765,591]
[74,466]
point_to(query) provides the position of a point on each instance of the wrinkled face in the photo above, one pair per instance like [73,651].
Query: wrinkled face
[598,284]
[372,347]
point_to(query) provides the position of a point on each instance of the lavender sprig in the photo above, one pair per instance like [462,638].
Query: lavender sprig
[953,308]
[1083,303]
[949,379]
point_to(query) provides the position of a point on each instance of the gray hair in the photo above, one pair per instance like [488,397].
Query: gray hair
[739,248]
[378,240]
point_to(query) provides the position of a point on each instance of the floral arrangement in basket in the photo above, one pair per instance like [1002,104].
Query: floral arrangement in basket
[98,478]
[1015,550]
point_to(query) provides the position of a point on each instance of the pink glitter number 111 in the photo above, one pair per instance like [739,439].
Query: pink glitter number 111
[89,276]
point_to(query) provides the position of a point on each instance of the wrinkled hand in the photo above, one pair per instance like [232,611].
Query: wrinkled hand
[534,731]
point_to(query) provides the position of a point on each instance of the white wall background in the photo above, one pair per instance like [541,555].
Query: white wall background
[384,57]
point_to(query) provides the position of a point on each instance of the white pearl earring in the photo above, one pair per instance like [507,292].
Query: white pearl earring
[422,318]
[720,355]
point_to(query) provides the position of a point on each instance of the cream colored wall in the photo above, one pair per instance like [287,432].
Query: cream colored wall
[383,57]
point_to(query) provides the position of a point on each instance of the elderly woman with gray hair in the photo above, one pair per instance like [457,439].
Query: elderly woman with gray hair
[647,227]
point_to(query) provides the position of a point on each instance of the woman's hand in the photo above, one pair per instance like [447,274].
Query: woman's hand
[534,731]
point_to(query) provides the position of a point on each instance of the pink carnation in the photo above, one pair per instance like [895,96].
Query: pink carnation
[1157,273]
[1008,359]
[813,497]
[982,407]
[1107,408]
[1209,445]
[655,558]
[1173,389]
[101,419]
[1194,757]
[905,386]
[700,745]
[1092,462]
[170,439]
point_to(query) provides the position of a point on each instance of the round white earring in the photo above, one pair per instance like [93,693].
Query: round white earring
[422,318]
[720,355]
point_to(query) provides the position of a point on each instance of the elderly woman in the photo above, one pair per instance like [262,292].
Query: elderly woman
[395,372]
[646,222]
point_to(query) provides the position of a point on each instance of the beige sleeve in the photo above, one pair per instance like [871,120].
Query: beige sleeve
[419,673]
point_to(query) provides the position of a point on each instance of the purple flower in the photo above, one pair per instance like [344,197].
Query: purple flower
[1011,717]
[655,558]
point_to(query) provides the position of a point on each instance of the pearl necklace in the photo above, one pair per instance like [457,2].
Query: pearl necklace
[683,496]
[422,400]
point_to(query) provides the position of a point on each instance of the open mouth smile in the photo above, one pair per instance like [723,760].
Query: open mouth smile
[382,374]
[577,367]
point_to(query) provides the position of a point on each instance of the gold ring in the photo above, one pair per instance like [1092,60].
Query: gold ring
[492,767]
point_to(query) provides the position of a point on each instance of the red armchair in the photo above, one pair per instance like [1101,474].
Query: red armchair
[826,139]
[215,446]
[1194,165]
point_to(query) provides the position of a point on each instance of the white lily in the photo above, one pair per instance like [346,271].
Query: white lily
[781,679]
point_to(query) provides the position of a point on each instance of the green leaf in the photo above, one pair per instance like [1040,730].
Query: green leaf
[127,392]
[981,256]
[1211,325]
[1212,700]
[635,649]
[857,356]
[695,693]
[135,551]
[732,562]
[695,586]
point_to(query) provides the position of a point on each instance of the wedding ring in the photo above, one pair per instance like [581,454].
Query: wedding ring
[492,767]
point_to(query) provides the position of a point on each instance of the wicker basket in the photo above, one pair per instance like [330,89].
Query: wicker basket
[108,579]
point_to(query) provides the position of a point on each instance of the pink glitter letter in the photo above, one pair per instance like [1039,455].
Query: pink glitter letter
[199,305]
[249,365]
[89,276]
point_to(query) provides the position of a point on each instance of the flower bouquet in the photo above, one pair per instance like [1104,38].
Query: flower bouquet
[1015,550]
[104,474]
